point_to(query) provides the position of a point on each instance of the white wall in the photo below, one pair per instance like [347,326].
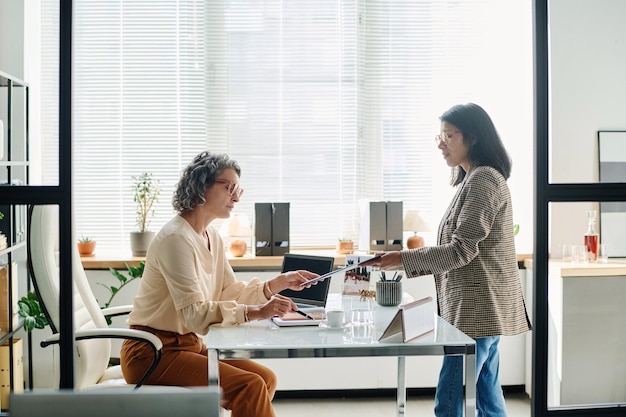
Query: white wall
[588,57]
[12,37]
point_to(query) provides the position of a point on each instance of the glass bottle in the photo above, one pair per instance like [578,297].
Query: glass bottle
[592,240]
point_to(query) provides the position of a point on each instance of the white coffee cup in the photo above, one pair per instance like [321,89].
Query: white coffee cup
[334,318]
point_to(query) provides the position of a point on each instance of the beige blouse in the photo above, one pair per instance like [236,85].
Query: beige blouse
[186,288]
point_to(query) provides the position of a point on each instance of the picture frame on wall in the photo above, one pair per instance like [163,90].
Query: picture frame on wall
[612,169]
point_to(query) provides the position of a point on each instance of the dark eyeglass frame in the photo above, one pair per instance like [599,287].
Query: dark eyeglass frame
[234,190]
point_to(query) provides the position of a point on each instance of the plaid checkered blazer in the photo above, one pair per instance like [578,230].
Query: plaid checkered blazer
[474,263]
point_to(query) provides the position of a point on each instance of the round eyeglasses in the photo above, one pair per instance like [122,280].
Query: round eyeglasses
[234,190]
[444,137]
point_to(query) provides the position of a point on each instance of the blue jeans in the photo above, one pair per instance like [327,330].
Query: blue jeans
[489,398]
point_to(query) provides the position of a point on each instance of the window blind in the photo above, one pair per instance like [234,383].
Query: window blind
[324,103]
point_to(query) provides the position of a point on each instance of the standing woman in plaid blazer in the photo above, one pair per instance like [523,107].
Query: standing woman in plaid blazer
[474,262]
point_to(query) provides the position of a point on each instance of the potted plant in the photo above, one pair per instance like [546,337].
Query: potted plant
[86,246]
[146,193]
[34,317]
[134,272]
[345,246]
[31,311]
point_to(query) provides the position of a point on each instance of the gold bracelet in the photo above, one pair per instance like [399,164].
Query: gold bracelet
[267,285]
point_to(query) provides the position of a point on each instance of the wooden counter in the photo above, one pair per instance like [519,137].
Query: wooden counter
[106,260]
[117,260]
[613,267]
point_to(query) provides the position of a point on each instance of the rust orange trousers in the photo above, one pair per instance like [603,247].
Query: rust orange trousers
[247,387]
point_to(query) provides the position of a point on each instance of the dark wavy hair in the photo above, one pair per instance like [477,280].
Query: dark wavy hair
[481,137]
[199,175]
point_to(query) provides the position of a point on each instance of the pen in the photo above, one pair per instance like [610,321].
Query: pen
[302,313]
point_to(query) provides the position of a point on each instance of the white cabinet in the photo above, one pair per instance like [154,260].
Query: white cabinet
[587,315]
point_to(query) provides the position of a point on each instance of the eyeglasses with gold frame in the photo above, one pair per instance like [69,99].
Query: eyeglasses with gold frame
[233,188]
[444,137]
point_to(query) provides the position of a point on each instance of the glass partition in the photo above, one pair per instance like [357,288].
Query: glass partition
[586,85]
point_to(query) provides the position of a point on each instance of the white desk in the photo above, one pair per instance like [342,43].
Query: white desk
[262,339]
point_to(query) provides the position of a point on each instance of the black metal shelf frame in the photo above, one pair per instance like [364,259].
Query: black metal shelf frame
[17,166]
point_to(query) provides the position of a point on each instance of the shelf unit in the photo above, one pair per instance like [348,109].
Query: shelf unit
[14,173]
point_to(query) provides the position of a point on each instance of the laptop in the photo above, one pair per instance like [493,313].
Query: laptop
[316,295]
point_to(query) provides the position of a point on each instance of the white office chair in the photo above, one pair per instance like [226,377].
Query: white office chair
[93,336]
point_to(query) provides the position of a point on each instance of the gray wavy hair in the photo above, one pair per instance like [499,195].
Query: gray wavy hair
[199,175]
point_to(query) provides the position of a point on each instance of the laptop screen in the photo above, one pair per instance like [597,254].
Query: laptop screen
[315,295]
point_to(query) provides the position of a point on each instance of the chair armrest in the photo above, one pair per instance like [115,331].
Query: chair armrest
[117,333]
[110,333]
[117,310]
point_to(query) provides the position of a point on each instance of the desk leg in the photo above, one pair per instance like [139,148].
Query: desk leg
[214,368]
[470,383]
[401,395]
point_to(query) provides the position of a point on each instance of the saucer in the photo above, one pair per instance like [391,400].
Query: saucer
[327,327]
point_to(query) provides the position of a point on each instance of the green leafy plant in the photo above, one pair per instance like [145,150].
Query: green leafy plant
[344,239]
[31,311]
[147,190]
[134,272]
[515,229]
[85,239]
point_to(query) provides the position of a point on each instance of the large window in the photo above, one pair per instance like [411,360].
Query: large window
[324,103]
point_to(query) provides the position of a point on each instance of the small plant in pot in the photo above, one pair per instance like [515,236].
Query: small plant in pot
[345,246]
[146,193]
[86,246]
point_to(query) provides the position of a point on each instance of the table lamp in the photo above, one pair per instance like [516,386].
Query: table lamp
[415,223]
[237,227]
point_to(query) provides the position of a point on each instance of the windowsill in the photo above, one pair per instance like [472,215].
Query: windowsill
[118,260]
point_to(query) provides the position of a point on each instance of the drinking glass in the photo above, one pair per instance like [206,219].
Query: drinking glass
[567,253]
[603,254]
[362,311]
[362,334]
[579,254]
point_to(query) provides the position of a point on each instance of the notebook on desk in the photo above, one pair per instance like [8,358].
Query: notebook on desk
[317,314]
[316,295]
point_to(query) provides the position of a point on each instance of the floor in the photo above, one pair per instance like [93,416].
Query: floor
[518,405]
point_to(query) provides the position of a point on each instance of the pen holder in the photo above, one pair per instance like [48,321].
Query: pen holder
[388,293]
